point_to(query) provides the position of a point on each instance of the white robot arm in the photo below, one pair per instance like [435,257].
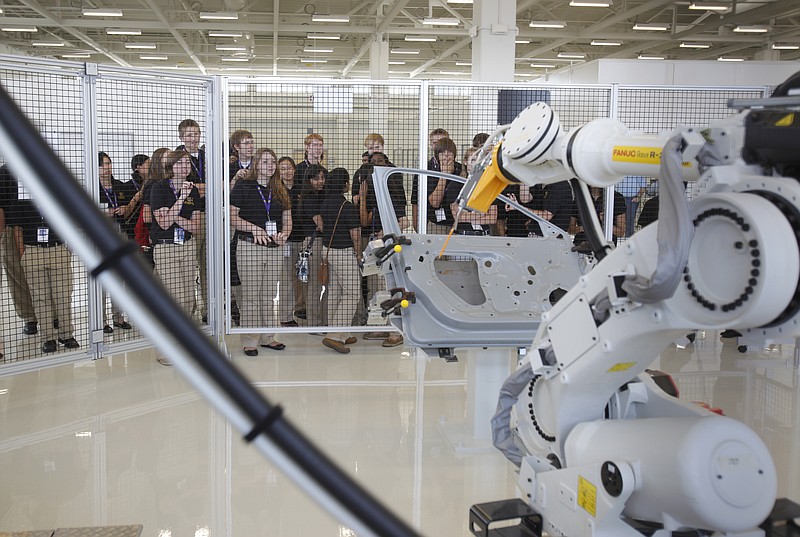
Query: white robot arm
[602,448]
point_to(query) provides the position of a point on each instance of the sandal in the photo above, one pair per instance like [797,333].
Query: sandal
[250,351]
[275,346]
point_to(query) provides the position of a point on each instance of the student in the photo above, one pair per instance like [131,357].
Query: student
[189,133]
[313,155]
[261,214]
[48,270]
[116,202]
[433,164]
[440,219]
[174,202]
[242,142]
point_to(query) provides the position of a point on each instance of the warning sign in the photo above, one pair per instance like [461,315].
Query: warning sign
[587,496]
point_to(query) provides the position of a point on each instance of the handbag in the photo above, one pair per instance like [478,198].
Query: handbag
[323,274]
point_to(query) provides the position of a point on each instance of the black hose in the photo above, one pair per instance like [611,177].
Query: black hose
[586,210]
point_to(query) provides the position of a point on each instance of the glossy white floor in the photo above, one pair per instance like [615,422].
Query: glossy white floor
[125,441]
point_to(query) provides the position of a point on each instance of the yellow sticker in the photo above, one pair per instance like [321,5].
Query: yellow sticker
[587,496]
[622,366]
[639,155]
[785,121]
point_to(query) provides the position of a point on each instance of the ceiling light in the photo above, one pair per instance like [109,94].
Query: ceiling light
[440,21]
[234,59]
[463,63]
[76,55]
[47,43]
[154,58]
[122,31]
[651,26]
[547,24]
[543,66]
[312,60]
[396,62]
[404,51]
[785,46]
[330,18]
[231,47]
[695,45]
[317,49]
[220,33]
[590,3]
[650,57]
[526,74]
[455,73]
[102,12]
[603,43]
[421,38]
[522,41]
[19,29]
[709,6]
[459,1]
[729,59]
[142,46]
[751,29]
[572,55]
[1,10]
[219,15]
[324,36]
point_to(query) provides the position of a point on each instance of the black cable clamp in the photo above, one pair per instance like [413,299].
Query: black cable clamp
[265,423]
[115,258]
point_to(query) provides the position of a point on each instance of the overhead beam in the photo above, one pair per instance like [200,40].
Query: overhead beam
[178,37]
[446,54]
[379,31]
[55,21]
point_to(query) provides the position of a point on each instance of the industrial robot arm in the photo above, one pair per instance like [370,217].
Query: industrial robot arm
[601,449]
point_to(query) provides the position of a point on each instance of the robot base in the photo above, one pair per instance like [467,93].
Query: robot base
[482,516]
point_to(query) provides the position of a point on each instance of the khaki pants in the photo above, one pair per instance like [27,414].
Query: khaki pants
[175,266]
[199,240]
[259,270]
[15,277]
[344,288]
[314,305]
[48,271]
[292,296]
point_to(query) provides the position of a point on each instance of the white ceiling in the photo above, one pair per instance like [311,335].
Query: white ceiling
[274,34]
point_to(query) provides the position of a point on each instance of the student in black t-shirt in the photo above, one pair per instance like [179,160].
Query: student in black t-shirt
[440,218]
[312,193]
[341,247]
[261,214]
[116,202]
[174,203]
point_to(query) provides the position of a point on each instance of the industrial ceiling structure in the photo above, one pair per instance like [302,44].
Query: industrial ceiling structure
[427,39]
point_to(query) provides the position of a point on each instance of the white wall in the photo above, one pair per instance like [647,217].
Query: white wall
[679,73]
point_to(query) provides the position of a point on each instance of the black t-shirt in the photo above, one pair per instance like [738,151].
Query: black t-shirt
[120,194]
[198,173]
[310,205]
[433,182]
[253,200]
[9,189]
[600,207]
[397,194]
[556,199]
[299,232]
[163,195]
[234,167]
[26,215]
[433,165]
[347,220]
[516,221]
[450,195]
[649,212]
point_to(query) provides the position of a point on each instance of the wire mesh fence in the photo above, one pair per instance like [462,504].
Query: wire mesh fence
[297,188]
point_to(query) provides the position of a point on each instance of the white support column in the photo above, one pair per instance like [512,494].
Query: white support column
[379,58]
[493,32]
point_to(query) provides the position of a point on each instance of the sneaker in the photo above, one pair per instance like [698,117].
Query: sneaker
[49,346]
[393,341]
[351,340]
[375,335]
[30,328]
[300,314]
[290,324]
[338,346]
[107,329]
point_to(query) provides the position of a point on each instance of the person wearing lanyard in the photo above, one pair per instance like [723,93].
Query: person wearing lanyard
[116,201]
[189,133]
[261,214]
[48,269]
[174,201]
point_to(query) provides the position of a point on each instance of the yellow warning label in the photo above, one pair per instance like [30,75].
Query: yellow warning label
[639,155]
[785,121]
[622,366]
[587,496]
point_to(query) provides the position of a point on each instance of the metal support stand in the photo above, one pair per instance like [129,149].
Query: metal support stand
[487,369]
